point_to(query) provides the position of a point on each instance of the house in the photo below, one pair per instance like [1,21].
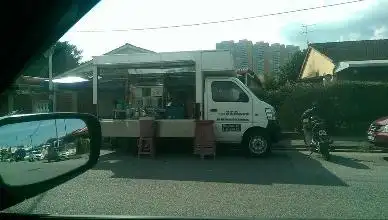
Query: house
[88,66]
[27,94]
[31,94]
[365,60]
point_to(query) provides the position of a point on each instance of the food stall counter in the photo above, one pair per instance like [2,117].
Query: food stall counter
[165,128]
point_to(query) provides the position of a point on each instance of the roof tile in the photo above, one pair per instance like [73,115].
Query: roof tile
[354,50]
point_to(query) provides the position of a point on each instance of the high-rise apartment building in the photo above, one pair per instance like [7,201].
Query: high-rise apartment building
[228,45]
[241,51]
[275,58]
[243,54]
[279,55]
[261,52]
[260,57]
[290,51]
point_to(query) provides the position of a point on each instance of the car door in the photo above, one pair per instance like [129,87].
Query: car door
[230,106]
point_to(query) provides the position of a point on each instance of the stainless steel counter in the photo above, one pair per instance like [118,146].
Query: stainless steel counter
[165,128]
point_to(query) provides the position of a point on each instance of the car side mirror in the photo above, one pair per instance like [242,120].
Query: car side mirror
[41,151]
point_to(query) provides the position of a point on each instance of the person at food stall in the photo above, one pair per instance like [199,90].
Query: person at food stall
[115,103]
[174,108]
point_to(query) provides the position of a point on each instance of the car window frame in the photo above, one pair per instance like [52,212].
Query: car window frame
[246,96]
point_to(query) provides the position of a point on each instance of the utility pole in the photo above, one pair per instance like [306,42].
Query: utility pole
[306,31]
[52,95]
[64,121]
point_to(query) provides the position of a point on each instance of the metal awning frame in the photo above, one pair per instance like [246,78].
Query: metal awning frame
[203,63]
[154,61]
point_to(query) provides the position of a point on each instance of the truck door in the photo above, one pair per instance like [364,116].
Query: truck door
[230,106]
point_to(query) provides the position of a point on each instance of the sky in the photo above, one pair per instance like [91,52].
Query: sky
[356,21]
[19,134]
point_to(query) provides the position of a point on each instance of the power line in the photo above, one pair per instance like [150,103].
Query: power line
[32,134]
[221,21]
[36,130]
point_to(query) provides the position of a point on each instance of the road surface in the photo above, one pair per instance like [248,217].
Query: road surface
[286,185]
[25,172]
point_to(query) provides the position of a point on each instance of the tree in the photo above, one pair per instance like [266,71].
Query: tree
[290,71]
[271,81]
[4,154]
[66,56]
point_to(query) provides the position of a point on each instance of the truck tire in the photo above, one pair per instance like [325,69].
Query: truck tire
[257,144]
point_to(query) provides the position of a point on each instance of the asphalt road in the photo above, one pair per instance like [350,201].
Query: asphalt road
[286,185]
[24,172]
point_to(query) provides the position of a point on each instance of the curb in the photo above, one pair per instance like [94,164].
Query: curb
[336,150]
[360,149]
[339,146]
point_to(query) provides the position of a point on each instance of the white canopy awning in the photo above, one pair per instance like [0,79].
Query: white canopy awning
[362,63]
[209,61]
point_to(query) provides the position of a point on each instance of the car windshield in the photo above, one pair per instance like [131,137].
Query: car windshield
[233,89]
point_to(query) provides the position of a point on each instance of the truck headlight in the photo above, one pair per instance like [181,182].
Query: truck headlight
[271,114]
[383,129]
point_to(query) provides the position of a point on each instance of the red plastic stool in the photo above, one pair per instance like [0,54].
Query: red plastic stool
[204,143]
[145,143]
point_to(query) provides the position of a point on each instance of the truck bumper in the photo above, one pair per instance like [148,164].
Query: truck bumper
[274,131]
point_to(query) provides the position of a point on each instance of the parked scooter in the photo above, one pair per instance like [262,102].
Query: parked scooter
[321,141]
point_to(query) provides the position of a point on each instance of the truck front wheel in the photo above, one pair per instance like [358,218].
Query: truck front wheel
[257,144]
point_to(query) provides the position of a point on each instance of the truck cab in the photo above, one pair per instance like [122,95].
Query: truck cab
[240,116]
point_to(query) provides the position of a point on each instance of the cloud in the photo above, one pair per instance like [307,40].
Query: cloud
[369,23]
[380,33]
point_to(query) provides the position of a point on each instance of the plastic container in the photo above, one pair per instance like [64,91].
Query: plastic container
[204,143]
[175,112]
[204,132]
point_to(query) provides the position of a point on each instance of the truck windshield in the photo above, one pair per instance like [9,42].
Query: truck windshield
[254,84]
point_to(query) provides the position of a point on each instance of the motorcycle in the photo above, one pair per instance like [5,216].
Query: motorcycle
[321,141]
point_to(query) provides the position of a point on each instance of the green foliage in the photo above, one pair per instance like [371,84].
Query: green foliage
[290,71]
[270,81]
[66,56]
[347,107]
[4,154]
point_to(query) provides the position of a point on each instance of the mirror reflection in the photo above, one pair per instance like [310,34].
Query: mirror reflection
[39,150]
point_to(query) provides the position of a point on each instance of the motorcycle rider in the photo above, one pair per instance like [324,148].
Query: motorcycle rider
[306,117]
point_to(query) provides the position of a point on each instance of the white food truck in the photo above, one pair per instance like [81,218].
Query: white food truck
[239,116]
